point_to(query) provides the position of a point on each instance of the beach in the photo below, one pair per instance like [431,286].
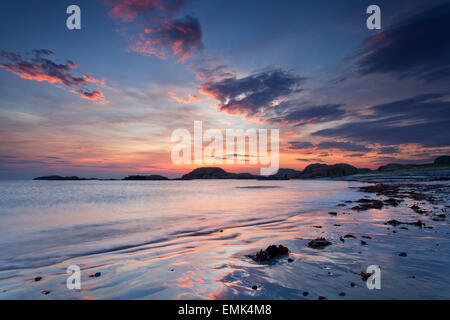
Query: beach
[194,239]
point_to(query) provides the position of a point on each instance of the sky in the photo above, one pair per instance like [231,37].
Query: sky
[103,101]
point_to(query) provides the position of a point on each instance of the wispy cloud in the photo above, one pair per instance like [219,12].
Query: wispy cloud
[191,98]
[38,66]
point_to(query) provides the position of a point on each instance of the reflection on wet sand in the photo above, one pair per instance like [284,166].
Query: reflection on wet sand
[193,240]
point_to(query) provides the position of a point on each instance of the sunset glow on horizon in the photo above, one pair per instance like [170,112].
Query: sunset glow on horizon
[103,101]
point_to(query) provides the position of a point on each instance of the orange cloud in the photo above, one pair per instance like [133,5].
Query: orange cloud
[192,98]
[41,69]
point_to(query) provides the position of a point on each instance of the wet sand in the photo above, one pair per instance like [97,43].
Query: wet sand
[207,255]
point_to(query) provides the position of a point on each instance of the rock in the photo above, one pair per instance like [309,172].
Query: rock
[270,253]
[363,243]
[321,298]
[45,292]
[417,209]
[352,284]
[140,178]
[402,254]
[442,160]
[95,275]
[332,213]
[392,202]
[366,237]
[342,294]
[341,205]
[387,190]
[365,275]
[319,243]
[255,287]
[317,227]
[37,279]
[395,223]
[305,293]
[337,225]
[349,236]
[366,204]
[290,260]
[418,223]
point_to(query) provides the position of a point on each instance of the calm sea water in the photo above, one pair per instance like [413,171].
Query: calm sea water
[190,239]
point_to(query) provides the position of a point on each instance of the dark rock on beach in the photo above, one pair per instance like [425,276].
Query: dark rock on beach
[95,275]
[366,204]
[365,275]
[270,253]
[417,209]
[395,223]
[319,243]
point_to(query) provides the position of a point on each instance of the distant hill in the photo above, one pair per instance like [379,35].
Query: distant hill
[440,163]
[316,170]
[216,173]
[312,171]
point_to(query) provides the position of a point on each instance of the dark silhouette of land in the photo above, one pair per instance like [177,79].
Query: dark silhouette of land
[316,170]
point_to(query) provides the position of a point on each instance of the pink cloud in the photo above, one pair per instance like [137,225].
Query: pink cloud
[40,68]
